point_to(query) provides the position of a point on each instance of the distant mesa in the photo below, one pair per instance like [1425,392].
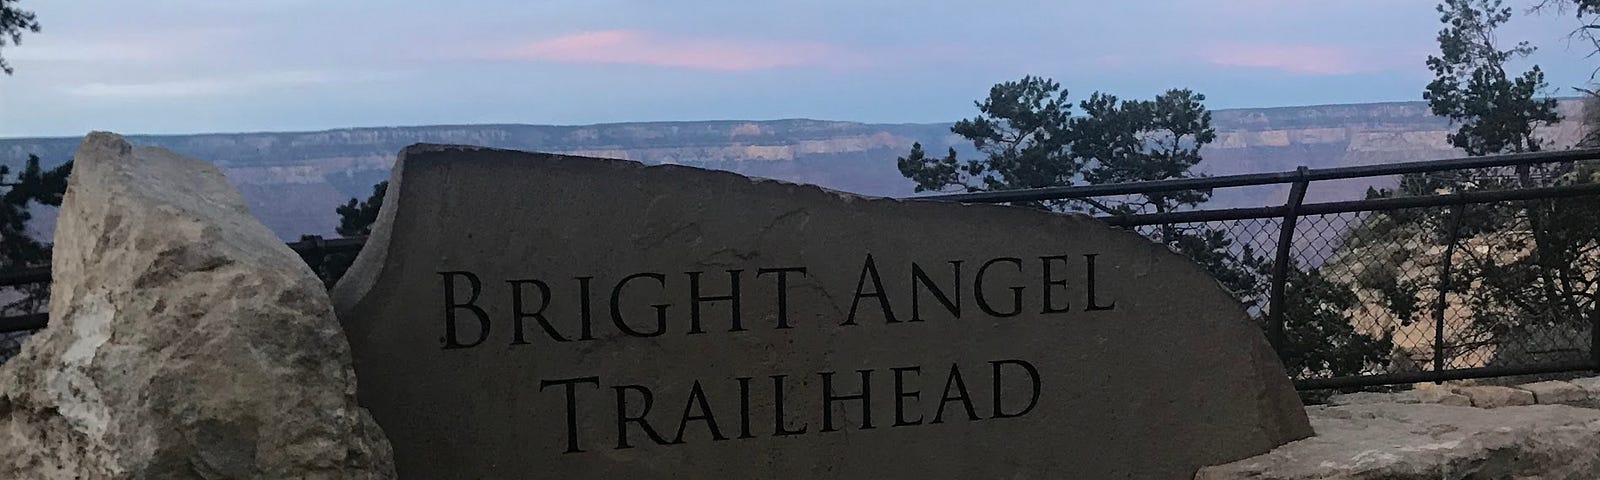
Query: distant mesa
[293,180]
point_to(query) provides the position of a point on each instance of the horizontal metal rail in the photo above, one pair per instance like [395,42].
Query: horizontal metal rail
[25,276]
[311,243]
[19,323]
[335,245]
[1309,175]
[306,245]
[1368,205]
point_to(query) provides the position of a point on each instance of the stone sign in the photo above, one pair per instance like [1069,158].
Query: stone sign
[522,315]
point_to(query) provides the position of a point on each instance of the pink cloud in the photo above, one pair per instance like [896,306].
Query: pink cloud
[641,48]
[1300,59]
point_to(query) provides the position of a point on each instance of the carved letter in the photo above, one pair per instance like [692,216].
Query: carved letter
[870,269]
[695,300]
[918,277]
[900,394]
[1033,374]
[783,290]
[1092,305]
[1049,305]
[782,428]
[828,398]
[1016,292]
[661,308]
[571,385]
[538,315]
[697,397]
[954,380]
[623,419]
[450,307]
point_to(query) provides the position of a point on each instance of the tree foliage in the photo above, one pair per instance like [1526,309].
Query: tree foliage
[1021,130]
[1517,267]
[355,219]
[1320,337]
[1587,13]
[1494,113]
[1027,136]
[14,21]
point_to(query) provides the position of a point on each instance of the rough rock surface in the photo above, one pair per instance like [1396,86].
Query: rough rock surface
[1362,398]
[185,340]
[1589,384]
[1432,442]
[1434,395]
[1556,392]
[1490,396]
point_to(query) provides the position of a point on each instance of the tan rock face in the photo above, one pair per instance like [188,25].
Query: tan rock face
[523,315]
[1396,441]
[1440,396]
[1362,398]
[1491,396]
[1590,385]
[1555,392]
[185,340]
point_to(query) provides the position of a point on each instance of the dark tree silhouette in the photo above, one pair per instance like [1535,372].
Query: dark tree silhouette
[13,22]
[355,219]
[1028,137]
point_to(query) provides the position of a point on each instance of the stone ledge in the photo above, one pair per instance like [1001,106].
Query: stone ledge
[1489,396]
[1439,396]
[1581,392]
[1588,384]
[1556,392]
[1420,441]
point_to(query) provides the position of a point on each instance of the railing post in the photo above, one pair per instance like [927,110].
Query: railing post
[313,251]
[1594,330]
[1445,284]
[1280,264]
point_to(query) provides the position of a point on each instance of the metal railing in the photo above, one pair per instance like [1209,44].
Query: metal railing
[1318,237]
[1335,241]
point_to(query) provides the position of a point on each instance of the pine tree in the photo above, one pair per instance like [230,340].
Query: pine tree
[1528,269]
[13,22]
[355,219]
[1029,138]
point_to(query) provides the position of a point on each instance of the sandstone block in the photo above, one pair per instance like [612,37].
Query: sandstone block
[1431,442]
[1555,392]
[1491,396]
[1361,398]
[185,340]
[1591,385]
[1439,396]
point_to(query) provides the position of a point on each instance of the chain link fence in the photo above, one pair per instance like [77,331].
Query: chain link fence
[1420,296]
[1467,268]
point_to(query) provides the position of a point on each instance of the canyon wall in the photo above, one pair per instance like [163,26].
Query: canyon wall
[294,180]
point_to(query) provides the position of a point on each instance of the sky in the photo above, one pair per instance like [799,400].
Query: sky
[196,66]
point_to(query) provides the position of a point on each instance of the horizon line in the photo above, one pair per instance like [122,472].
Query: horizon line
[603,124]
